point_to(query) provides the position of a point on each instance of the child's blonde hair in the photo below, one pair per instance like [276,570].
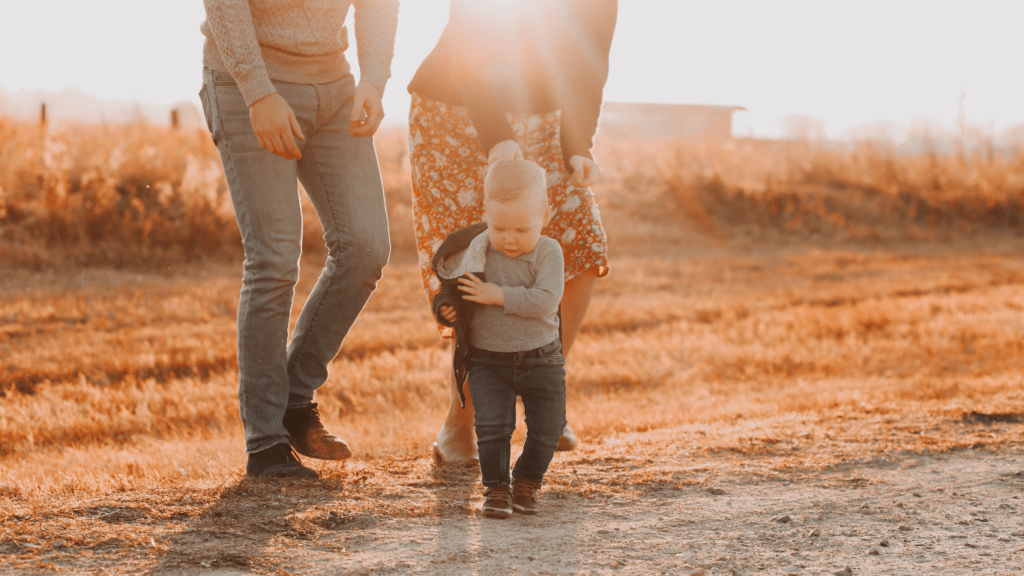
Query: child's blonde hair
[508,180]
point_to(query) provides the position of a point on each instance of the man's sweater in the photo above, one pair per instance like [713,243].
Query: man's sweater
[301,41]
[532,284]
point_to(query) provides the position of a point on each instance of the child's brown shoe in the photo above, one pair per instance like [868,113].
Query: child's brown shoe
[524,495]
[498,502]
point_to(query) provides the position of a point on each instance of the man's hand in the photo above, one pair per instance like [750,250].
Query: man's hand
[448,313]
[275,125]
[504,150]
[585,172]
[367,110]
[476,290]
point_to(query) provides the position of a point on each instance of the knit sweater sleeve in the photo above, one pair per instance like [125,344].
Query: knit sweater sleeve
[540,300]
[376,22]
[582,108]
[230,22]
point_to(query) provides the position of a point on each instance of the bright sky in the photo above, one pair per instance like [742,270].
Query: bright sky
[846,63]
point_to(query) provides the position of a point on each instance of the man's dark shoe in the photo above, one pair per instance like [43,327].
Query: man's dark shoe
[278,461]
[310,438]
[524,495]
[498,502]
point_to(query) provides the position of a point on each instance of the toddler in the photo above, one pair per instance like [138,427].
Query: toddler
[501,284]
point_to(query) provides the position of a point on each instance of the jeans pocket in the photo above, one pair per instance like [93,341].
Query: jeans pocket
[218,78]
[208,112]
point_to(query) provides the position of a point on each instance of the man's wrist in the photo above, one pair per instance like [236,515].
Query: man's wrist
[262,99]
[377,87]
[255,86]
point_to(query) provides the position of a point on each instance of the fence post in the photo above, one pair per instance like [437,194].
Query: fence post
[174,119]
[42,113]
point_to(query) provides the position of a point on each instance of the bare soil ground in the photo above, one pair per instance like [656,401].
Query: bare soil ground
[639,503]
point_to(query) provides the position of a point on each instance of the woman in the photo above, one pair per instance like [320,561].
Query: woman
[512,80]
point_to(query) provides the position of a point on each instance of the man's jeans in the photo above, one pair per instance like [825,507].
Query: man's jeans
[495,378]
[340,174]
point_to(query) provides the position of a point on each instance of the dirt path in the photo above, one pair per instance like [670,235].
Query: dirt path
[946,513]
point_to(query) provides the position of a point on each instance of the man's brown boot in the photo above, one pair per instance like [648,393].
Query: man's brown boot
[524,495]
[278,461]
[310,438]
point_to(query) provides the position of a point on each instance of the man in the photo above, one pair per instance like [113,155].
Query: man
[281,103]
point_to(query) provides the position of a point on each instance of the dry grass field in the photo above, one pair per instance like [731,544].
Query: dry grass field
[772,312]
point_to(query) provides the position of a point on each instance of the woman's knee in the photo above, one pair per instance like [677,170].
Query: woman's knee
[583,280]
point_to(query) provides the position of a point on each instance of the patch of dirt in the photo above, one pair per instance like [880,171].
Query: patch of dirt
[982,418]
[604,511]
[952,513]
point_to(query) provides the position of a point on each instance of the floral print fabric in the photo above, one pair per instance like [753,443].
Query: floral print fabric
[448,169]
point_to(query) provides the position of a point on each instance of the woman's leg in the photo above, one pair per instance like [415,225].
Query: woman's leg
[575,302]
[437,138]
[456,441]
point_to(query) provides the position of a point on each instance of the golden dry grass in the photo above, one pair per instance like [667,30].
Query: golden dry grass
[138,196]
[131,388]
[769,310]
[783,191]
[145,197]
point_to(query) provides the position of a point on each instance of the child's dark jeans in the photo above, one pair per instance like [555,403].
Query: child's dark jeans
[495,379]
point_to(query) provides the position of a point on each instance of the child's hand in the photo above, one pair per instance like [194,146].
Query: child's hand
[476,290]
[448,313]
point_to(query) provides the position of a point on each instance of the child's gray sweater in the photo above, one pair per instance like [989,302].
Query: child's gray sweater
[532,285]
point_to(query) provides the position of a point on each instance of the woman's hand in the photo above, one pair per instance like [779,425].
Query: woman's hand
[585,172]
[476,290]
[448,313]
[505,150]
[275,124]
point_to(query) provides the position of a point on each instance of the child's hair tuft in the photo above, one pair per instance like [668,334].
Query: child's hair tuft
[506,180]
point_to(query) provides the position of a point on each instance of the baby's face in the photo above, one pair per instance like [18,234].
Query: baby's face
[514,227]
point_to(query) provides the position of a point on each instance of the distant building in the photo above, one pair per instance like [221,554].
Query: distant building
[685,121]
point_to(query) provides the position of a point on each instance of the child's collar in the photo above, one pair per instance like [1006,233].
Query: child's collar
[472,259]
